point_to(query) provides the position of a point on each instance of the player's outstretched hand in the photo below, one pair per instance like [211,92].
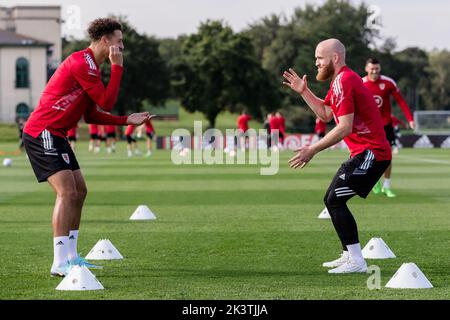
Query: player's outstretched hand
[139,118]
[302,157]
[115,55]
[293,81]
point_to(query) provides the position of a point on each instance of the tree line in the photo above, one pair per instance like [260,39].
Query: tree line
[217,69]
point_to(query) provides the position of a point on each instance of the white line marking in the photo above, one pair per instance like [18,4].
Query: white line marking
[424,160]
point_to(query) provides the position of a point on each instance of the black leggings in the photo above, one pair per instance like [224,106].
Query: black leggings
[342,218]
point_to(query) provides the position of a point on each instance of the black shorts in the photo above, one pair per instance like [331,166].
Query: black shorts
[111,135]
[72,138]
[130,139]
[49,154]
[358,175]
[94,136]
[150,135]
[390,134]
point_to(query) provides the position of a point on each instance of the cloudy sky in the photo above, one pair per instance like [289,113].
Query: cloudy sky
[425,24]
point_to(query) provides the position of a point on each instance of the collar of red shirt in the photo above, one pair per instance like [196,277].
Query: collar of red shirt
[89,50]
[344,68]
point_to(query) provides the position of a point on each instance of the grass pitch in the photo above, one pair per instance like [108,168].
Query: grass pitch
[225,232]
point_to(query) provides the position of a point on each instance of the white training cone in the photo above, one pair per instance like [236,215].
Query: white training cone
[80,279]
[409,276]
[143,213]
[324,214]
[376,248]
[104,250]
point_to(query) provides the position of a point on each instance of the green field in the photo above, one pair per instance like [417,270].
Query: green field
[225,232]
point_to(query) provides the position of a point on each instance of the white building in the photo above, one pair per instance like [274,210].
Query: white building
[30,50]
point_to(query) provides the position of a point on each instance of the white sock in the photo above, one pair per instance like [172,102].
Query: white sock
[72,248]
[60,250]
[387,183]
[355,253]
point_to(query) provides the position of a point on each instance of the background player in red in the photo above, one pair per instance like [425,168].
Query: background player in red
[266,126]
[359,124]
[72,137]
[132,147]
[274,124]
[111,138]
[94,141]
[320,129]
[396,124]
[150,132]
[383,88]
[74,91]
[101,136]
[242,124]
[20,125]
[282,126]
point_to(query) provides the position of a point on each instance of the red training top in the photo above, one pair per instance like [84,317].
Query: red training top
[110,129]
[129,130]
[382,89]
[281,124]
[72,132]
[321,126]
[149,127]
[348,95]
[242,122]
[93,129]
[76,90]
[397,122]
[274,123]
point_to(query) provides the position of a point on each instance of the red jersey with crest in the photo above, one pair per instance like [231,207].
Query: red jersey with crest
[76,90]
[348,95]
[382,90]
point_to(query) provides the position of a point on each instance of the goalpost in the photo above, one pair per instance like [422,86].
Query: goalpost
[432,122]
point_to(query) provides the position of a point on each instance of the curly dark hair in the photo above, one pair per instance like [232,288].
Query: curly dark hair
[103,27]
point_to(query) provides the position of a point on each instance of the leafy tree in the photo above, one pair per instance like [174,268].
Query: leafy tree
[296,39]
[218,71]
[438,97]
[414,75]
[71,45]
[262,33]
[171,52]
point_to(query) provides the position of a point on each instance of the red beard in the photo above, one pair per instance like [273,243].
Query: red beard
[326,73]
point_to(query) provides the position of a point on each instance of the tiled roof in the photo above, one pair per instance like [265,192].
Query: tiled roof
[8,38]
